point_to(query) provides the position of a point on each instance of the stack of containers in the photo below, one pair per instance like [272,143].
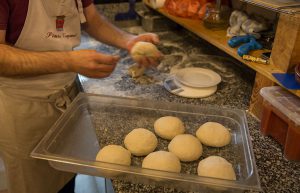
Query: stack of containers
[281,119]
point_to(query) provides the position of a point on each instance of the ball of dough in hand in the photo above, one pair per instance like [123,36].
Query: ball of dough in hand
[186,147]
[162,160]
[213,134]
[168,127]
[140,142]
[144,49]
[216,167]
[114,154]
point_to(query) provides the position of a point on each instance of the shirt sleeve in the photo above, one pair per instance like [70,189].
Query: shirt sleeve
[4,13]
[86,3]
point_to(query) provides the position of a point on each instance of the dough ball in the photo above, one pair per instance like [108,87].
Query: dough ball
[114,154]
[168,127]
[140,142]
[136,71]
[213,134]
[142,49]
[186,147]
[162,160]
[216,167]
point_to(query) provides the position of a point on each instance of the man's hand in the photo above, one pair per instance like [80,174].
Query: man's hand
[92,64]
[147,37]
[18,62]
[102,30]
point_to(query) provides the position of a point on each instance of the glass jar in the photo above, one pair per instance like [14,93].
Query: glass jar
[217,17]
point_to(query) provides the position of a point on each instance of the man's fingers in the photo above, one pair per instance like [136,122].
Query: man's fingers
[153,61]
[106,59]
[155,39]
[149,37]
[105,68]
[159,56]
[142,62]
[149,61]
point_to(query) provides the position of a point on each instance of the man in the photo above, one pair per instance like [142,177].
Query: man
[37,72]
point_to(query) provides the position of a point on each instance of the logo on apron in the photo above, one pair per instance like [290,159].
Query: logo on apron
[60,20]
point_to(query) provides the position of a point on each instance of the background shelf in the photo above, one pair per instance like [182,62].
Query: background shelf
[219,39]
[282,6]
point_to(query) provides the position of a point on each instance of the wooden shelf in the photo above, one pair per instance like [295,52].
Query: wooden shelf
[219,39]
[290,7]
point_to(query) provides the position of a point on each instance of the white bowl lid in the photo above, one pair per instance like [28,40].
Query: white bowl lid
[198,77]
[175,87]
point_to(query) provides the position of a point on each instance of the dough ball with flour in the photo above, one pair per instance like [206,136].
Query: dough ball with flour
[216,167]
[162,160]
[144,49]
[140,142]
[186,147]
[114,154]
[213,134]
[168,127]
[136,71]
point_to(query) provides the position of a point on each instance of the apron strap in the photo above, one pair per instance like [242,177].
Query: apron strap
[80,11]
[60,98]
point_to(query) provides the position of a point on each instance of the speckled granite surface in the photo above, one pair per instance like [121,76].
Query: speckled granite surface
[182,50]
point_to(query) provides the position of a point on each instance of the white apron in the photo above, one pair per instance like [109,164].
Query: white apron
[30,105]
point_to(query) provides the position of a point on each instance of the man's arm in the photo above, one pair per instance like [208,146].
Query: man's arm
[102,30]
[18,62]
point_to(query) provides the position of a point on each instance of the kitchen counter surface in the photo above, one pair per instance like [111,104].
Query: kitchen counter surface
[181,50]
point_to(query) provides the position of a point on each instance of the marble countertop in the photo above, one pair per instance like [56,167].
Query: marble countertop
[181,50]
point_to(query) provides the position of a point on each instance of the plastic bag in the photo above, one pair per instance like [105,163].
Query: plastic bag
[185,8]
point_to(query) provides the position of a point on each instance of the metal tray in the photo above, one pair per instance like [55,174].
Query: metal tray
[93,121]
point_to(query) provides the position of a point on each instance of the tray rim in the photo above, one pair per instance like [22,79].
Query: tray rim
[39,152]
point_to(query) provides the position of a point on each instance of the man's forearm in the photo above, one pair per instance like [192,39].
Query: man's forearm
[15,62]
[102,30]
